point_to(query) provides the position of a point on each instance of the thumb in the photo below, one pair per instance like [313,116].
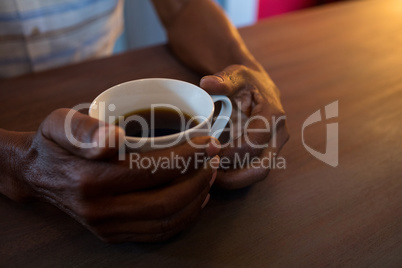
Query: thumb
[82,135]
[226,82]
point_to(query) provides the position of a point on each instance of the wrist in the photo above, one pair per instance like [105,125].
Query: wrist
[14,148]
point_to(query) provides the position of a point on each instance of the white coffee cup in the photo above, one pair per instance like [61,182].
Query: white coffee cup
[147,93]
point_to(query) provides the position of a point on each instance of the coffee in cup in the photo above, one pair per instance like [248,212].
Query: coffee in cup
[140,102]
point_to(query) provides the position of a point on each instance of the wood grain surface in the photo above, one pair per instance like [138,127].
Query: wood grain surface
[310,214]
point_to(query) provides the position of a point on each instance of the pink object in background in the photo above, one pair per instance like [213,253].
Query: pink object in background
[268,8]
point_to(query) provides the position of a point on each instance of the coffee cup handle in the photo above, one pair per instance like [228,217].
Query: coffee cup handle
[223,117]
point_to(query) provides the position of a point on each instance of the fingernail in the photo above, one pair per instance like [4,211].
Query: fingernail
[212,148]
[211,182]
[206,201]
[214,75]
[222,80]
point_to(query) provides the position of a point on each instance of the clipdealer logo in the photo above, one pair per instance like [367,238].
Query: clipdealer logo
[331,155]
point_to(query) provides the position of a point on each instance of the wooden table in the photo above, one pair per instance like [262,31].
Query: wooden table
[308,214]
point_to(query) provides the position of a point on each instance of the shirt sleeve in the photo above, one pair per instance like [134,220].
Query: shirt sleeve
[37,35]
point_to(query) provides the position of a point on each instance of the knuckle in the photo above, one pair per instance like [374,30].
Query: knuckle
[56,114]
[243,70]
[53,124]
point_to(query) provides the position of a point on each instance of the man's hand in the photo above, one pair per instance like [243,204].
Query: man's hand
[115,202]
[253,93]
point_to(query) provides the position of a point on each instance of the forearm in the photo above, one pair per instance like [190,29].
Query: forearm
[13,149]
[201,36]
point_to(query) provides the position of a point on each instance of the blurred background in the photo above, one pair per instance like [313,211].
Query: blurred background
[142,27]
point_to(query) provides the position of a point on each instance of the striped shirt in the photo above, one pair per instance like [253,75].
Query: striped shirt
[36,35]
